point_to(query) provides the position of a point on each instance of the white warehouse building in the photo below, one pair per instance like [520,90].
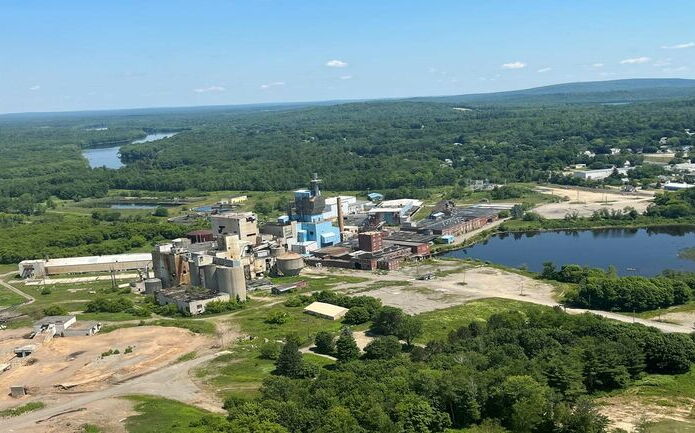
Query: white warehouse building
[76,265]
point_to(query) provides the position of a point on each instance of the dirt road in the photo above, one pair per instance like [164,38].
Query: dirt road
[172,382]
[468,283]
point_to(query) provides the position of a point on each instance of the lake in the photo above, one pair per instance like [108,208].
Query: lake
[645,251]
[109,156]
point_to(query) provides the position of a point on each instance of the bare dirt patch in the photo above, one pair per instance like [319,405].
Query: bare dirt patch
[94,413]
[585,202]
[627,412]
[75,364]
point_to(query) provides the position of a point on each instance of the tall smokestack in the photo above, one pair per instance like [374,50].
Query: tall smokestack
[341,225]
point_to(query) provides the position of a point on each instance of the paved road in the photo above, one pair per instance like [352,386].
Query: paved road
[172,382]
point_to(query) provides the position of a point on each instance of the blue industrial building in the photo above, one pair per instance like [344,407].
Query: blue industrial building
[310,212]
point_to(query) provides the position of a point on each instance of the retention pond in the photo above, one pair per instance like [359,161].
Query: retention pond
[643,251]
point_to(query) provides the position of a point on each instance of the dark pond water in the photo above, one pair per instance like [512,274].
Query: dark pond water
[109,156]
[646,251]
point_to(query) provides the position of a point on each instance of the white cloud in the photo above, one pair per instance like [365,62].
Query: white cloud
[209,89]
[679,46]
[346,77]
[35,87]
[635,61]
[273,84]
[336,63]
[514,65]
[544,70]
[597,65]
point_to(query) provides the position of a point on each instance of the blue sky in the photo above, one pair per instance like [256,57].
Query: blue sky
[75,55]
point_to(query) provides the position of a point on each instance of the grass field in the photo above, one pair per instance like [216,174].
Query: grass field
[19,410]
[159,415]
[437,324]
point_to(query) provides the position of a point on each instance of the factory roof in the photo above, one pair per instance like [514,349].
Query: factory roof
[402,236]
[95,260]
[324,309]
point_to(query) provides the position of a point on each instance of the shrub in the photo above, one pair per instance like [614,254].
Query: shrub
[357,316]
[270,350]
[277,318]
[55,310]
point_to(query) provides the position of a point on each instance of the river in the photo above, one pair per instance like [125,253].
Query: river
[109,156]
[644,251]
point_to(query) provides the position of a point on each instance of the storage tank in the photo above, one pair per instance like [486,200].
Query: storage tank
[231,280]
[289,264]
[277,251]
[208,280]
[195,273]
[152,285]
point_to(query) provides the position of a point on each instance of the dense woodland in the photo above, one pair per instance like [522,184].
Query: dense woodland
[532,372]
[357,146]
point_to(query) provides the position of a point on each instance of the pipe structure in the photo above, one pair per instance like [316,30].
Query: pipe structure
[341,224]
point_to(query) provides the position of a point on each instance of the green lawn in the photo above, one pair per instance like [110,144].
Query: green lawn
[9,298]
[159,415]
[22,409]
[670,426]
[438,323]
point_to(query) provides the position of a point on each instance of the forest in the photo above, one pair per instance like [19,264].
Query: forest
[523,372]
[380,145]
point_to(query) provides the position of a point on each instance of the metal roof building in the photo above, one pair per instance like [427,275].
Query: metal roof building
[73,265]
[325,311]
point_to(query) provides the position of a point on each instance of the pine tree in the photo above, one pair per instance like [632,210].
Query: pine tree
[346,348]
[290,361]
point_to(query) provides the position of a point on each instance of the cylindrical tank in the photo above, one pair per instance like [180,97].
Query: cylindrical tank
[209,281]
[277,251]
[289,264]
[152,285]
[231,280]
[195,273]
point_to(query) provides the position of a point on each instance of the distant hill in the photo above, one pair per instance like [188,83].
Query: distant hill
[615,91]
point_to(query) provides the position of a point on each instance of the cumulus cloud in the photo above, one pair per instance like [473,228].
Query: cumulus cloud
[35,87]
[514,65]
[273,84]
[346,77]
[209,89]
[335,63]
[679,46]
[635,61]
[544,70]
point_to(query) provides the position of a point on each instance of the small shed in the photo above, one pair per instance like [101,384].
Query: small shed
[325,311]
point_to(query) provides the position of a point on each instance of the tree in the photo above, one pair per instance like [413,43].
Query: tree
[346,347]
[325,343]
[517,212]
[357,316]
[383,348]
[161,211]
[388,320]
[521,403]
[270,350]
[290,361]
[55,310]
[409,329]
